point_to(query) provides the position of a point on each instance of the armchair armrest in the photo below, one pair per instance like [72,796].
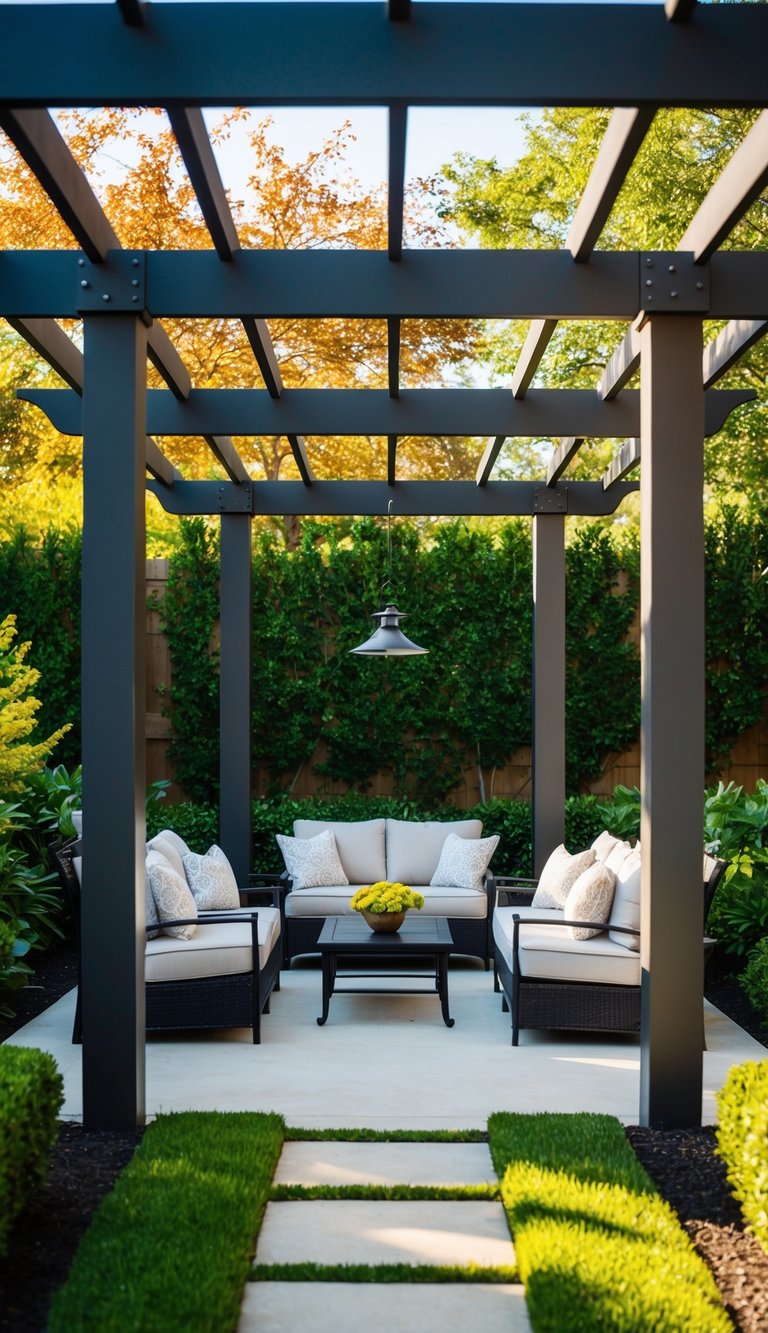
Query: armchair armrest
[508,888]
[209,919]
[269,889]
[547,921]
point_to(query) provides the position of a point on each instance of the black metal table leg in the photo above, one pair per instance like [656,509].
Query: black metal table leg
[441,969]
[328,980]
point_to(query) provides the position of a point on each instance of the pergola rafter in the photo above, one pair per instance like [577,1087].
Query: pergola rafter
[474,54]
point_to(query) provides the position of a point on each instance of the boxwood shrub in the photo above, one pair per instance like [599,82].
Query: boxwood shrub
[742,1138]
[30,1097]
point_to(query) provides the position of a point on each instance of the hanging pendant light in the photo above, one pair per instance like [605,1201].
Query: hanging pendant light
[388,639]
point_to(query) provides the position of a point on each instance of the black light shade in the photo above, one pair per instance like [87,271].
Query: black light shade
[388,640]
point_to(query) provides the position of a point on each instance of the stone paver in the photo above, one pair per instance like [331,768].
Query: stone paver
[328,1163]
[329,1231]
[342,1307]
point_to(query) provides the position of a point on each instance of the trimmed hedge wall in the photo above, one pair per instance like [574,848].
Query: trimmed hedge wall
[31,1094]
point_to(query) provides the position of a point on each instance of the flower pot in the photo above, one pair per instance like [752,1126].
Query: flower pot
[384,921]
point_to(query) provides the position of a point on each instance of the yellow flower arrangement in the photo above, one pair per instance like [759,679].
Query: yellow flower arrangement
[385,896]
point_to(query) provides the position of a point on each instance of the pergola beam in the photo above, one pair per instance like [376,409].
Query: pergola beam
[626,130]
[398,126]
[566,450]
[299,451]
[542,414]
[623,461]
[223,449]
[192,137]
[622,365]
[391,459]
[393,357]
[470,54]
[729,346]
[132,12]
[533,349]
[740,182]
[679,11]
[490,454]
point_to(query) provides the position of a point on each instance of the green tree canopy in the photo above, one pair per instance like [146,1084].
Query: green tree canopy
[531,206]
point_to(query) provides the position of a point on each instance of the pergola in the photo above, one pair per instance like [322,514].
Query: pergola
[186,56]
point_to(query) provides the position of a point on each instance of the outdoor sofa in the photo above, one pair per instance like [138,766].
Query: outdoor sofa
[327,861]
[566,952]
[205,968]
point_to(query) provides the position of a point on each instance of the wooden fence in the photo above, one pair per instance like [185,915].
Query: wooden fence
[749,758]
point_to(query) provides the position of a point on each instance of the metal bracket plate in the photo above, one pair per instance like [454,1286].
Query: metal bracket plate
[118,285]
[550,500]
[235,499]
[670,283]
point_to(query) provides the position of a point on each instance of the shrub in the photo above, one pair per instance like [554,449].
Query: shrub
[736,829]
[13,971]
[755,979]
[742,1138]
[30,1097]
[20,753]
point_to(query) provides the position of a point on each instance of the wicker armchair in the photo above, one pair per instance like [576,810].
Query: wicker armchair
[232,999]
[607,1001]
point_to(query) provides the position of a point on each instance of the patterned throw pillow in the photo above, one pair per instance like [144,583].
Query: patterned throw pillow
[172,895]
[152,919]
[312,862]
[590,899]
[212,881]
[559,875]
[464,861]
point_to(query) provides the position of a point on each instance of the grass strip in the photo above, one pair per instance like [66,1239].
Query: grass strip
[596,1245]
[294,1133]
[171,1247]
[285,1193]
[309,1272]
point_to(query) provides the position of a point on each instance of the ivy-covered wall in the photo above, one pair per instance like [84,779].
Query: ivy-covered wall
[423,720]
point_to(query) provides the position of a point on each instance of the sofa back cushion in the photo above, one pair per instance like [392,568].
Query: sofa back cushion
[359,843]
[626,902]
[414,847]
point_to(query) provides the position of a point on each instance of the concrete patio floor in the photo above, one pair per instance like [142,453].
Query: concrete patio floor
[389,1062]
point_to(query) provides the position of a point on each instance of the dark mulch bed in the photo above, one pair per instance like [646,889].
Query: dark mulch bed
[86,1163]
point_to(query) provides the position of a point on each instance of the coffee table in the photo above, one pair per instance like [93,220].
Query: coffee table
[418,937]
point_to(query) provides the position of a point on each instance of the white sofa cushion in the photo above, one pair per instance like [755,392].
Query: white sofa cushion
[464,861]
[414,847]
[212,880]
[550,952]
[590,899]
[558,876]
[359,843]
[172,895]
[438,901]
[312,862]
[626,902]
[217,950]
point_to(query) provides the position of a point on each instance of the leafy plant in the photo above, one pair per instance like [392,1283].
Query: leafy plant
[622,813]
[20,754]
[31,1093]
[736,829]
[14,972]
[754,979]
[742,1141]
[29,904]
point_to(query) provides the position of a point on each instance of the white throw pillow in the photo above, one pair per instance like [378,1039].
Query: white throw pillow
[603,845]
[212,881]
[162,843]
[626,902]
[617,856]
[559,875]
[152,919]
[312,862]
[172,895]
[464,861]
[590,899]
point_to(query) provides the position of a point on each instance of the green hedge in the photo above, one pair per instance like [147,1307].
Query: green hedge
[30,1098]
[742,1138]
[598,1249]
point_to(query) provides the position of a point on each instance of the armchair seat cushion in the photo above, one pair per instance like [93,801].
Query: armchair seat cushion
[219,949]
[438,901]
[551,952]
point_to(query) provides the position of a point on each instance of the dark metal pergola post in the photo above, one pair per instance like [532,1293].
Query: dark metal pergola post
[672,725]
[548,693]
[235,692]
[113,689]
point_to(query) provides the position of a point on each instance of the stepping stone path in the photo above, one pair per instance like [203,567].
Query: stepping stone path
[350,1231]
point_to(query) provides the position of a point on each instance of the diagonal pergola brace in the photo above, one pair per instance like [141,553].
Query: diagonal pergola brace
[301,458]
[730,344]
[159,466]
[192,137]
[490,454]
[224,450]
[626,130]
[566,450]
[736,188]
[624,460]
[534,347]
